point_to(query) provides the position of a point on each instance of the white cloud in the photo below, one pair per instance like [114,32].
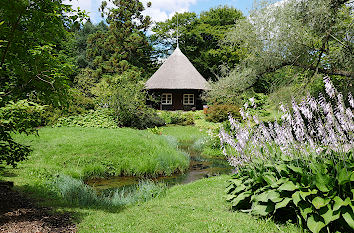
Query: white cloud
[160,10]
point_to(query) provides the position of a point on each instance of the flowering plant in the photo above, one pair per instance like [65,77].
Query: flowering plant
[313,127]
[302,166]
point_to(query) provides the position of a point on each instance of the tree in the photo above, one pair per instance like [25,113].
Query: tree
[124,46]
[31,62]
[309,38]
[199,37]
[32,66]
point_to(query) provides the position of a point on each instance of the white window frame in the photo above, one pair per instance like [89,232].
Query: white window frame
[166,102]
[189,97]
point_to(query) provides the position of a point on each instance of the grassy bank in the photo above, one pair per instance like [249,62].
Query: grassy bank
[88,152]
[196,207]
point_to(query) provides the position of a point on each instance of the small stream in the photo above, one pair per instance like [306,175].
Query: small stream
[200,167]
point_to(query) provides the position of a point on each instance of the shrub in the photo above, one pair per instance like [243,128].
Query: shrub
[142,119]
[17,117]
[304,163]
[317,192]
[100,118]
[126,96]
[220,112]
[177,117]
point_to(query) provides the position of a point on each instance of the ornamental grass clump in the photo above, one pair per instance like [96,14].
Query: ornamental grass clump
[300,168]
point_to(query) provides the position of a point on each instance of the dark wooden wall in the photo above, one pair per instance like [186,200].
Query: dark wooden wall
[177,99]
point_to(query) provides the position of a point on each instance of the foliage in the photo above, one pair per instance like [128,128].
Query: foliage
[124,46]
[317,191]
[100,118]
[221,112]
[199,37]
[32,63]
[155,130]
[76,192]
[310,39]
[96,152]
[305,162]
[126,96]
[177,117]
[17,117]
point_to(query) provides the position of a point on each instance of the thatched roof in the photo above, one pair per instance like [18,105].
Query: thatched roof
[177,72]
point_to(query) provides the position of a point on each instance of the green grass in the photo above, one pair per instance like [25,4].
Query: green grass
[88,152]
[196,207]
[183,133]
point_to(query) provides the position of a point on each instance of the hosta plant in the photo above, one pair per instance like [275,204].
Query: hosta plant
[301,166]
[317,191]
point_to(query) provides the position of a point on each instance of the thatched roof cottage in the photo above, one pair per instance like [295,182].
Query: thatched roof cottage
[178,84]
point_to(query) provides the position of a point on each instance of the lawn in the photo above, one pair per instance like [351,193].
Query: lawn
[87,152]
[195,207]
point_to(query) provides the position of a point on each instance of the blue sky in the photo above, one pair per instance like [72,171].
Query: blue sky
[164,9]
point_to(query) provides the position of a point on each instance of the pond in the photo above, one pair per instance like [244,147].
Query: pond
[200,167]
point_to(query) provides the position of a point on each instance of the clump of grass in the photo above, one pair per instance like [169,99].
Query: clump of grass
[76,192]
[94,152]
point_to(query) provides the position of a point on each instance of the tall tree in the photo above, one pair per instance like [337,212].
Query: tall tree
[124,45]
[311,38]
[32,66]
[31,61]
[199,37]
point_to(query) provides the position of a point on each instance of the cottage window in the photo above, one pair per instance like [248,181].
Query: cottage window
[188,99]
[166,98]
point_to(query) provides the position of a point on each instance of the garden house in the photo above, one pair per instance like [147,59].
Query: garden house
[177,84]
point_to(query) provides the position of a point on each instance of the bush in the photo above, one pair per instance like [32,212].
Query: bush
[142,119]
[220,113]
[302,167]
[317,192]
[100,118]
[177,117]
[17,117]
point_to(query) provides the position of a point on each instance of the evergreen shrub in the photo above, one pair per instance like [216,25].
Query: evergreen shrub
[220,112]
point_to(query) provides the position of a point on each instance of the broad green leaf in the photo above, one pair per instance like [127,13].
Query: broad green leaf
[282,168]
[296,197]
[237,182]
[338,202]
[308,193]
[241,197]
[230,188]
[230,197]
[274,196]
[270,179]
[352,176]
[305,209]
[263,197]
[295,169]
[348,216]
[343,176]
[319,202]
[328,214]
[283,203]
[288,186]
[315,223]
[262,210]
[322,182]
[239,188]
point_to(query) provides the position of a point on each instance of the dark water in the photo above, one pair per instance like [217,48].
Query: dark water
[200,167]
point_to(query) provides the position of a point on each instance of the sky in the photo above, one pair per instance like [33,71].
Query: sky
[161,10]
